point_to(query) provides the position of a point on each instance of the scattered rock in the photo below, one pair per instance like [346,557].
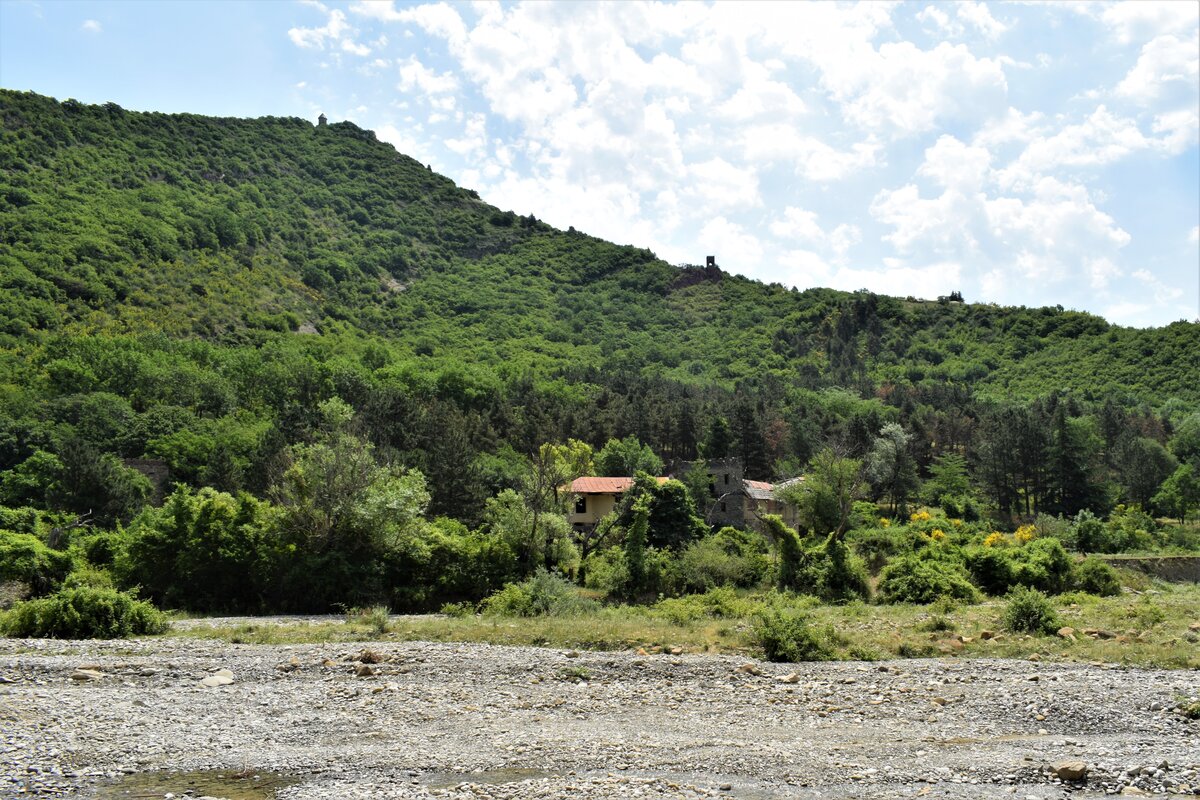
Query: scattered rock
[364,670]
[370,657]
[790,678]
[221,677]
[1067,632]
[985,635]
[84,675]
[1069,770]
[750,669]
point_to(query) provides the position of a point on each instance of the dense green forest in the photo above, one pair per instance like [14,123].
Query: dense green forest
[349,364]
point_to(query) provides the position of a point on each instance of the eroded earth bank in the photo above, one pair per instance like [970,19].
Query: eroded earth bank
[121,719]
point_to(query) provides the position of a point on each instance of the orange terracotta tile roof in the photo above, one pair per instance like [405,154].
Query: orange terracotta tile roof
[597,485]
[763,485]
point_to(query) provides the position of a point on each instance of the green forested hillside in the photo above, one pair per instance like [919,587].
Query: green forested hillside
[211,293]
[119,222]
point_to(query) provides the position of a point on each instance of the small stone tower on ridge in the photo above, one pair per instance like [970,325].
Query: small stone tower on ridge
[321,120]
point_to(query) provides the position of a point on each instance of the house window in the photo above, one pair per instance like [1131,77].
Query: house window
[726,478]
[581,505]
[722,506]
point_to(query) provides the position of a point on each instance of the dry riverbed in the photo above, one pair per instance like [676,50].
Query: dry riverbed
[135,719]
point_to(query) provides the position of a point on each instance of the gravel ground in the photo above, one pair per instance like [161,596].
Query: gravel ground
[100,719]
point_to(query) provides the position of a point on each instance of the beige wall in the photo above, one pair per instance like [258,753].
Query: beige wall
[598,506]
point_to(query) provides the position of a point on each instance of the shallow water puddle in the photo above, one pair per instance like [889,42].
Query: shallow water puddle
[487,777]
[224,783]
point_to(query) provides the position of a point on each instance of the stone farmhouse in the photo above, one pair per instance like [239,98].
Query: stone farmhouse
[734,500]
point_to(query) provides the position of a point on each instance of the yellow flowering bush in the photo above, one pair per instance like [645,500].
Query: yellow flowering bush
[995,539]
[884,522]
[920,516]
[1025,534]
[937,534]
[956,523]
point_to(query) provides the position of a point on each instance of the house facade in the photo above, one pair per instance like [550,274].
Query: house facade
[732,499]
[595,498]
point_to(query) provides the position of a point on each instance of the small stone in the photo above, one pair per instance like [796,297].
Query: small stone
[985,635]
[1067,632]
[84,675]
[750,669]
[1070,770]
[726,787]
[572,654]
[221,677]
[364,670]
[790,678]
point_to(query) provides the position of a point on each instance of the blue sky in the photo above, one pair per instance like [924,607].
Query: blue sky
[1023,153]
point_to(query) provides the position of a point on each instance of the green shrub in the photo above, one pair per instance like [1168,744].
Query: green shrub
[839,574]
[720,603]
[544,594]
[458,610]
[877,546]
[1130,528]
[1088,534]
[827,570]
[88,576]
[961,507]
[919,579]
[728,557]
[24,557]
[377,617]
[1029,611]
[83,613]
[606,572]
[1041,564]
[1096,577]
[786,635]
[207,551]
[937,624]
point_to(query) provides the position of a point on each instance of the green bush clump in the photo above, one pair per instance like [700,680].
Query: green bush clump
[25,558]
[545,594]
[827,570]
[877,545]
[729,557]
[1041,564]
[607,572]
[919,579]
[1096,577]
[720,603]
[786,635]
[1029,611]
[458,610]
[83,613]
